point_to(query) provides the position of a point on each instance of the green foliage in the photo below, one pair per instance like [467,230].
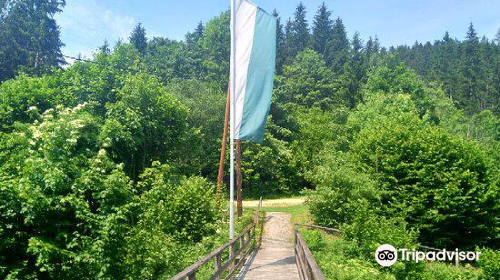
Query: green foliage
[489,261]
[215,48]
[107,168]
[145,125]
[138,38]
[266,167]
[342,193]
[29,36]
[24,96]
[306,82]
[181,207]
[441,271]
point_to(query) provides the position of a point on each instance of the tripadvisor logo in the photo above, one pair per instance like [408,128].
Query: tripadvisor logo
[387,255]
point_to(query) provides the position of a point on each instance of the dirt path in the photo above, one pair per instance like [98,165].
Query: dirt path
[274,202]
[275,259]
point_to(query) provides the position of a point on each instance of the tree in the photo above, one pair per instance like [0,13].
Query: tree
[307,82]
[298,37]
[30,37]
[195,36]
[470,72]
[105,47]
[138,38]
[354,73]
[322,29]
[280,44]
[145,125]
[337,50]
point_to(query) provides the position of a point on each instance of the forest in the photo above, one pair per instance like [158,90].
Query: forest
[108,165]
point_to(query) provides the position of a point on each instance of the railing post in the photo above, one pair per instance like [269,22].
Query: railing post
[232,257]
[217,263]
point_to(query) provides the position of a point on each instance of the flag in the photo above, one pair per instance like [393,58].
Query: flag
[255,55]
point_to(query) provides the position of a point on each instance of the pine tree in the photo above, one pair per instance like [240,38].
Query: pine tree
[337,50]
[288,48]
[29,37]
[280,44]
[138,38]
[105,47]
[497,37]
[354,73]
[322,29]
[470,71]
[298,37]
[193,37]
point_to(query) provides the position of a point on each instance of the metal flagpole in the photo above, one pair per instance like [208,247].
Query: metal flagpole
[232,119]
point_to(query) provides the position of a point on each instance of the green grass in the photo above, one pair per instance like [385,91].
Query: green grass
[300,213]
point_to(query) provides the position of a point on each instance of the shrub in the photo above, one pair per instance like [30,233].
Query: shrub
[489,261]
[369,231]
[443,271]
[342,192]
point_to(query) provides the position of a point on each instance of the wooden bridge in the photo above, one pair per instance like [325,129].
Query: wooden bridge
[270,250]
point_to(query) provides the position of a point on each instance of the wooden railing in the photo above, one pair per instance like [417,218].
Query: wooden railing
[308,268]
[239,248]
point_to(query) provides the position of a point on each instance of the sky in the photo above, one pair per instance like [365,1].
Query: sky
[85,24]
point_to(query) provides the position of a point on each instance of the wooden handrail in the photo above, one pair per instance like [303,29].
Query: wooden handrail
[308,268]
[334,230]
[237,256]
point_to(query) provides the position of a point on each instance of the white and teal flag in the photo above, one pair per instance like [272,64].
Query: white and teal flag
[255,55]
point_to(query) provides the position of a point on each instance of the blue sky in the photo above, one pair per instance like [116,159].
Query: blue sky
[86,23]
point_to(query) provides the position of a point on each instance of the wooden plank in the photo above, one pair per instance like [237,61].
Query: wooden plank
[194,267]
[312,269]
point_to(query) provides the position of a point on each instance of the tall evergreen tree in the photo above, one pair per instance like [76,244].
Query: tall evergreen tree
[105,47]
[138,38]
[355,72]
[470,70]
[337,50]
[193,37]
[280,43]
[497,37]
[29,37]
[298,37]
[322,29]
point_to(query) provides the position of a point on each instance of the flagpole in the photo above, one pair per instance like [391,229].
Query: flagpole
[232,70]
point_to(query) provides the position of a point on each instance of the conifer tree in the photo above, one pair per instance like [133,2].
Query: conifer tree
[138,38]
[322,29]
[287,45]
[105,47]
[280,44]
[29,37]
[356,71]
[337,51]
[193,37]
[298,37]
[470,70]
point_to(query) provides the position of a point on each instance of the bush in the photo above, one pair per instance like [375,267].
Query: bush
[369,231]
[489,261]
[342,192]
[444,185]
[443,271]
[340,258]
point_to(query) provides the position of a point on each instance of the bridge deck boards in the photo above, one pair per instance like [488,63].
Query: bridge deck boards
[275,260]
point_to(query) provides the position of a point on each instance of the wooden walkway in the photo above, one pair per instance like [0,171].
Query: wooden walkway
[275,260]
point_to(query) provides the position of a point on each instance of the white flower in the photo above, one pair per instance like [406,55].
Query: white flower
[101,153]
